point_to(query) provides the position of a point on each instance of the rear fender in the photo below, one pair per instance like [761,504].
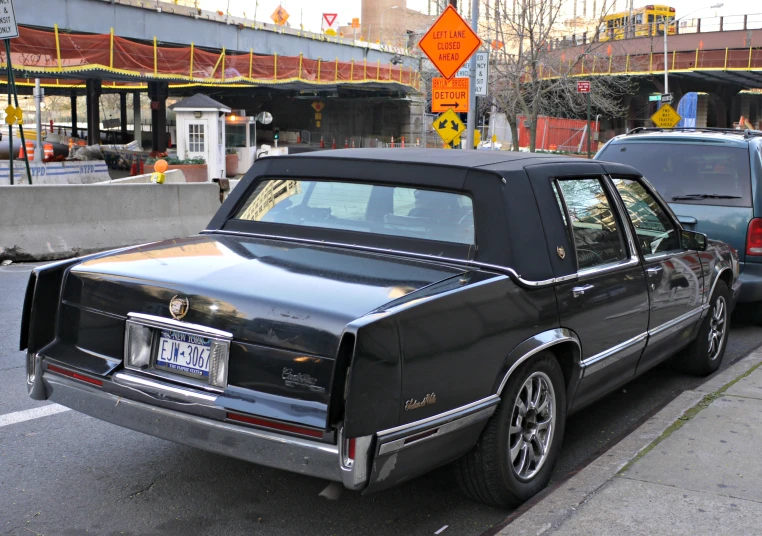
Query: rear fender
[557,339]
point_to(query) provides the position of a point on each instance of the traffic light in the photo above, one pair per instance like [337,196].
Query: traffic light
[276,135]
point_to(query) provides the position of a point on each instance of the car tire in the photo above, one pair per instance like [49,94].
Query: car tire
[705,353]
[493,471]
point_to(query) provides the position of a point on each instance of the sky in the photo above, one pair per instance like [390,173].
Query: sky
[310,12]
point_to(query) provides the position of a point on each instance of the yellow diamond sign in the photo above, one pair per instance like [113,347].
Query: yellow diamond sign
[666,117]
[13,114]
[448,126]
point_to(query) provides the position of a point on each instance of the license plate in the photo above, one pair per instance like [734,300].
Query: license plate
[183,353]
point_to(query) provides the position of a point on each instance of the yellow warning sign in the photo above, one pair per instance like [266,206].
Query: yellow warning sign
[13,115]
[666,117]
[448,126]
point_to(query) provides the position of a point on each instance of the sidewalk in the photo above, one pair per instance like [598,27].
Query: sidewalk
[694,468]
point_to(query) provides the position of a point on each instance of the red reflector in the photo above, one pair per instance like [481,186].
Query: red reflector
[275,425]
[416,437]
[754,237]
[351,449]
[76,376]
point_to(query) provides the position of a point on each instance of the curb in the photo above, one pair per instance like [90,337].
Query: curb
[552,510]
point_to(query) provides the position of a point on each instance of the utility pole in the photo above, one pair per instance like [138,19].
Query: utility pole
[471,119]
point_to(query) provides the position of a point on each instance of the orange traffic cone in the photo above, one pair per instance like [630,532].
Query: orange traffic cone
[48,151]
[333,143]
[353,144]
[133,168]
[141,169]
[403,142]
[29,150]
[299,137]
[392,141]
[322,143]
[346,143]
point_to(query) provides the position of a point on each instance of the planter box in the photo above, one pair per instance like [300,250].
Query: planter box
[231,165]
[192,172]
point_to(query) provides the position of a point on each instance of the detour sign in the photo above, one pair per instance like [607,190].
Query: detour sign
[449,42]
[447,94]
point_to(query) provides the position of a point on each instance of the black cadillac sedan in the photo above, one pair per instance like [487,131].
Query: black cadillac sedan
[364,316]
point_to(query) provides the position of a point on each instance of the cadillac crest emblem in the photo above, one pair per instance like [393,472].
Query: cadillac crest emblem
[561,252]
[178,307]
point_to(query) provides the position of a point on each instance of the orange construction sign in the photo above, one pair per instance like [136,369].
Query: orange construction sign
[449,94]
[449,42]
[280,16]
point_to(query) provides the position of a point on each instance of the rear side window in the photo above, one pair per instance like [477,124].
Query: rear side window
[697,173]
[365,208]
[594,226]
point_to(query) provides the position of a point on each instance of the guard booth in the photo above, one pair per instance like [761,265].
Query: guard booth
[240,134]
[201,132]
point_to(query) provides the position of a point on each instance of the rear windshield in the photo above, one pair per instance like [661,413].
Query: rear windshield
[386,210]
[689,173]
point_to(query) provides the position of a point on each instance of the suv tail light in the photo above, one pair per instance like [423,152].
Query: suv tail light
[754,237]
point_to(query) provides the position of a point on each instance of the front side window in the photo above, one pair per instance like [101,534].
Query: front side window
[361,207]
[594,226]
[655,231]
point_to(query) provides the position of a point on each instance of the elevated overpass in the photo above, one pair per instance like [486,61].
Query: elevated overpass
[96,46]
[720,56]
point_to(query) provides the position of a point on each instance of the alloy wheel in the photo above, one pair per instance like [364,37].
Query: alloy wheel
[717,327]
[532,426]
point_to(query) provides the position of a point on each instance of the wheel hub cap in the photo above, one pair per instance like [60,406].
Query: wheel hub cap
[717,325]
[532,426]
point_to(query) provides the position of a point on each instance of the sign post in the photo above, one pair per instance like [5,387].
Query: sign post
[471,120]
[13,112]
[583,86]
[449,43]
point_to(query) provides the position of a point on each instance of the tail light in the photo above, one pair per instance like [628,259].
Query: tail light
[754,237]
[275,425]
[351,448]
[75,375]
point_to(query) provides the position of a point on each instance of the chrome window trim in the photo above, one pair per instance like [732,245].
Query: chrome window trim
[444,429]
[492,399]
[609,267]
[568,338]
[597,362]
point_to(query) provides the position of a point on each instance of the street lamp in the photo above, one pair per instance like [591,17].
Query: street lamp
[666,31]
[381,33]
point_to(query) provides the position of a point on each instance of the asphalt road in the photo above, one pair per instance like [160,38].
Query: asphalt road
[68,474]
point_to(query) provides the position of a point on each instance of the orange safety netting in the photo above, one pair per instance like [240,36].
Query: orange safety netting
[55,54]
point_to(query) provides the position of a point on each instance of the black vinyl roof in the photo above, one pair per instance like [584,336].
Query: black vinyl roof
[441,157]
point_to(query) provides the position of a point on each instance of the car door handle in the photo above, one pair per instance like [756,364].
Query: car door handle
[579,291]
[654,270]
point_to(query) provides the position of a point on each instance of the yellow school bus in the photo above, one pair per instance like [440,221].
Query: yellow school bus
[648,20]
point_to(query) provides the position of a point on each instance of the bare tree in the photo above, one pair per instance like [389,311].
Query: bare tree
[532,77]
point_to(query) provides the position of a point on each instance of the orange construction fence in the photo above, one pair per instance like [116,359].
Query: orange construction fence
[58,55]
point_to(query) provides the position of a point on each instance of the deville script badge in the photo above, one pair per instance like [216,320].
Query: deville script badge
[427,401]
[178,307]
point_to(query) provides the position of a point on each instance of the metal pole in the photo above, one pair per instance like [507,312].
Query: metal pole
[12,87]
[666,59]
[10,127]
[38,126]
[471,120]
[589,142]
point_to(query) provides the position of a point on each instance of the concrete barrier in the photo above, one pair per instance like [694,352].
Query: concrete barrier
[60,221]
[172,176]
[69,172]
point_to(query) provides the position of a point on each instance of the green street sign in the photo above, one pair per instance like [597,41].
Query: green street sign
[654,98]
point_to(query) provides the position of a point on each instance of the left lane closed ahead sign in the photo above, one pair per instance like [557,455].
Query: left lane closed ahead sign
[449,42]
[449,94]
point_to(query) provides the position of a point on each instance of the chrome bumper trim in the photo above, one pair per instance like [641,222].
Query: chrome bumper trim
[257,446]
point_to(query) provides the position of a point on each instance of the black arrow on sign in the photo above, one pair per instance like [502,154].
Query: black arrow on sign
[453,105]
[454,125]
[443,124]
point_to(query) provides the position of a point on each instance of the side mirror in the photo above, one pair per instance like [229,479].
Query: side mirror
[693,240]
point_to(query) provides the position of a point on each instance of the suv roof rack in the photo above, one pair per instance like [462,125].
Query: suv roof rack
[747,134]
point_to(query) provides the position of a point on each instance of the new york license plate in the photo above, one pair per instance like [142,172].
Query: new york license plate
[183,353]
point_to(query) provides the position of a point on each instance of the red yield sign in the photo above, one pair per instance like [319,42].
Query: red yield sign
[447,94]
[449,42]
[583,87]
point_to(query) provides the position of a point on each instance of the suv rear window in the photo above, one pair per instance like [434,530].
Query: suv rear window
[360,207]
[701,174]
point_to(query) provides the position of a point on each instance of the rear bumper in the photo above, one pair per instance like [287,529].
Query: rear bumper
[751,282]
[258,446]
